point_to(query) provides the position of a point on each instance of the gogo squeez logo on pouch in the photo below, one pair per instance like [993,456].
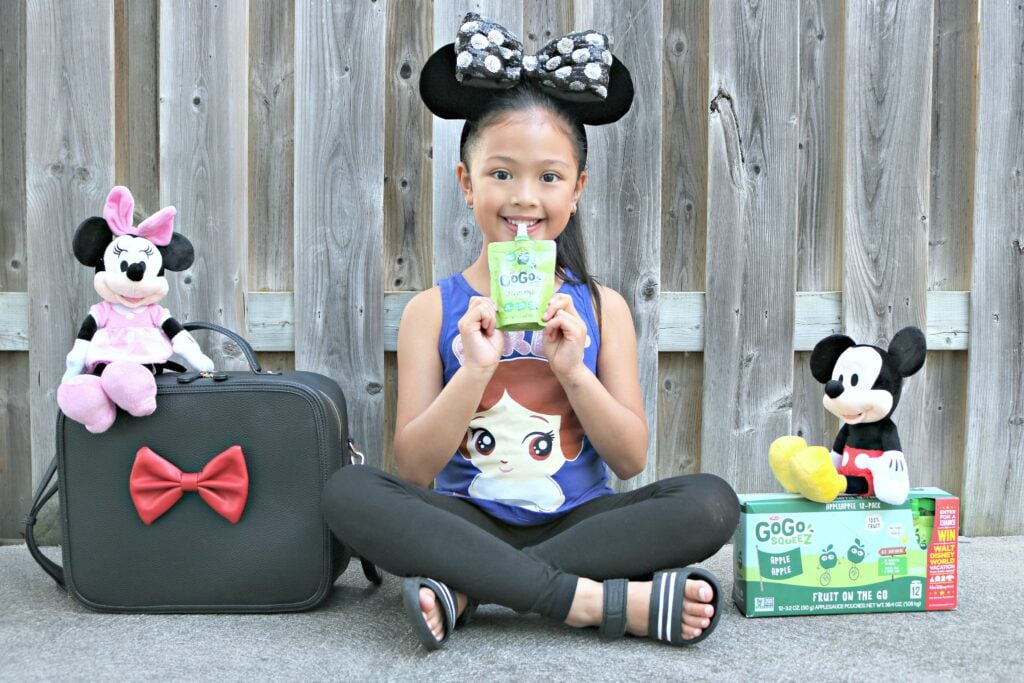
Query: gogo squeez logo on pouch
[783,531]
[525,273]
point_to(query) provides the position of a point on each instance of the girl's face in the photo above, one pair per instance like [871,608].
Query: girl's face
[522,171]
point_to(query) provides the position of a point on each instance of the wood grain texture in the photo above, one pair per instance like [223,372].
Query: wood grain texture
[954,117]
[408,173]
[752,213]
[993,477]
[339,165]
[456,237]
[621,208]
[136,53]
[820,192]
[69,169]
[271,142]
[15,434]
[684,154]
[886,193]
[203,169]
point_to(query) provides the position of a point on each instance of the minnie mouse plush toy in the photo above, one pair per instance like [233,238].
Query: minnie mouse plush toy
[127,337]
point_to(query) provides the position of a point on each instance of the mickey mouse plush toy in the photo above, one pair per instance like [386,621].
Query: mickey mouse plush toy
[127,337]
[862,387]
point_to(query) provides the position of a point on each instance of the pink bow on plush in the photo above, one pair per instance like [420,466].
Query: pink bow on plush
[118,211]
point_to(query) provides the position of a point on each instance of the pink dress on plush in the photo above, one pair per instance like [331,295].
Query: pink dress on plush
[128,334]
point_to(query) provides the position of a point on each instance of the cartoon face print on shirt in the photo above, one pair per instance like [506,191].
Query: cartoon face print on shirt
[522,433]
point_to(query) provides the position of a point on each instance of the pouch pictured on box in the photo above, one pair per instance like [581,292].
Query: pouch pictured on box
[792,556]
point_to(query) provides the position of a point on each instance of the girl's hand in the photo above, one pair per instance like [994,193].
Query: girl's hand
[564,336]
[482,341]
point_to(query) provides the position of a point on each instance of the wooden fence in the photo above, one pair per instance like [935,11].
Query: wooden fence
[790,168]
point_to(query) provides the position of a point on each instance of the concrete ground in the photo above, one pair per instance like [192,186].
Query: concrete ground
[361,633]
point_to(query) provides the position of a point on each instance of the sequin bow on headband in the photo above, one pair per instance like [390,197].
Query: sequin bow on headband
[461,80]
[574,67]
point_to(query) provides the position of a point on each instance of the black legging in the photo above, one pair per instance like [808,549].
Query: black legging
[411,531]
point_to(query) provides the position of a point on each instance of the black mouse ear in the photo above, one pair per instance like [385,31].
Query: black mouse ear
[178,254]
[90,242]
[908,350]
[826,353]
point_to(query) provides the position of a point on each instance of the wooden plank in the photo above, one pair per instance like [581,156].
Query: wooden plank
[408,178]
[69,169]
[15,434]
[820,198]
[888,110]
[271,153]
[993,477]
[683,227]
[203,122]
[136,56]
[621,207]
[544,20]
[339,163]
[752,181]
[456,237]
[14,332]
[271,316]
[954,120]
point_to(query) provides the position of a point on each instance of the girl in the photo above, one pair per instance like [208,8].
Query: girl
[512,520]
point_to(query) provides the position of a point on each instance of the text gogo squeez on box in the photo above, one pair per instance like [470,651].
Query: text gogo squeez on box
[794,557]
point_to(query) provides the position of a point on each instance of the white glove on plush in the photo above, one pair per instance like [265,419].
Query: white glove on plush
[75,361]
[184,344]
[892,482]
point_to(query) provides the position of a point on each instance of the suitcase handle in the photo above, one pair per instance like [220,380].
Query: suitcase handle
[55,571]
[247,350]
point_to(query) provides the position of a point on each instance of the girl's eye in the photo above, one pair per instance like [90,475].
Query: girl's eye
[502,175]
[482,441]
[540,445]
[549,177]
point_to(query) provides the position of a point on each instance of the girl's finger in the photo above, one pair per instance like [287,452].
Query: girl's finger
[559,302]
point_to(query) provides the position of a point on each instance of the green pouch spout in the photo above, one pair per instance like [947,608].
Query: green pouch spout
[522,281]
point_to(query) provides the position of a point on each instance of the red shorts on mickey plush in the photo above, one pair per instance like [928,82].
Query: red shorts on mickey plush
[848,466]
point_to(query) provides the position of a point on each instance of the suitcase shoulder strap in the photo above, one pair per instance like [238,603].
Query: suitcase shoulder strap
[43,494]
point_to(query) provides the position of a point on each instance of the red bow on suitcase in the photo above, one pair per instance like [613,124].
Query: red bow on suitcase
[156,484]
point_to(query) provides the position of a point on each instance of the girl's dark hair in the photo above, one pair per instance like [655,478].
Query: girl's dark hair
[571,257]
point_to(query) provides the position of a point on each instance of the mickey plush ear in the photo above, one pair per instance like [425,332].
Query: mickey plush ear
[908,350]
[179,254]
[826,353]
[90,241]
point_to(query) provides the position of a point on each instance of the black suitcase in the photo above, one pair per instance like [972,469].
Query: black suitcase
[292,434]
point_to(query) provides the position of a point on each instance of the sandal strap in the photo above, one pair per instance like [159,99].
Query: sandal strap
[613,616]
[666,609]
[448,604]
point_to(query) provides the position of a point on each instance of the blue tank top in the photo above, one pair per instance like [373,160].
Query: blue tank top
[524,459]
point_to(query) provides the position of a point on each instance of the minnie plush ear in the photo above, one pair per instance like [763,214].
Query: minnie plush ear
[908,350]
[179,254]
[90,241]
[826,353]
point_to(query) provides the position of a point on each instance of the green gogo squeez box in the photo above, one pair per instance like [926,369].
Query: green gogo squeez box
[796,557]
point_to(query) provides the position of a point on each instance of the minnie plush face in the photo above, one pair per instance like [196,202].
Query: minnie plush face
[132,273]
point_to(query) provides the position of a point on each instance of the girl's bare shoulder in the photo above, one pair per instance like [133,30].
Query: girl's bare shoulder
[423,311]
[614,308]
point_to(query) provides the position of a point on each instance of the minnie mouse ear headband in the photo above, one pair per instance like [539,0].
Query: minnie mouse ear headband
[460,80]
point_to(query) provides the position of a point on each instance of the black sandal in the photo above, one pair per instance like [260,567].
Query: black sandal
[449,606]
[666,611]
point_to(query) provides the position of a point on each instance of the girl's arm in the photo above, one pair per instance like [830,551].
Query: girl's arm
[611,409]
[432,417]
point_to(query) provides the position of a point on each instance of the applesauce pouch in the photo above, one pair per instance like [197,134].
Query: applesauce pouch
[522,280]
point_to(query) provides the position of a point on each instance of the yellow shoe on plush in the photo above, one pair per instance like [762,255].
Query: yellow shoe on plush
[780,455]
[815,475]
